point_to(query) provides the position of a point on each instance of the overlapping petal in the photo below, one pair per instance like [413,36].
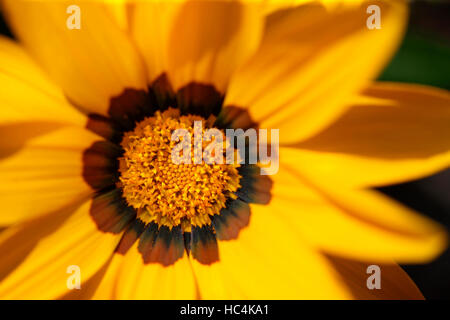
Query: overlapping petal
[393,133]
[106,289]
[271,6]
[318,204]
[26,93]
[201,41]
[310,61]
[136,280]
[43,273]
[332,217]
[41,169]
[269,260]
[92,64]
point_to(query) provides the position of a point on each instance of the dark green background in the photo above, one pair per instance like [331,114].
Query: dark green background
[424,57]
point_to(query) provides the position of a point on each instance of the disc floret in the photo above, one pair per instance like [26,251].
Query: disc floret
[167,193]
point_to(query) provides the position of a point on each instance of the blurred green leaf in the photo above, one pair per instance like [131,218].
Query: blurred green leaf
[420,59]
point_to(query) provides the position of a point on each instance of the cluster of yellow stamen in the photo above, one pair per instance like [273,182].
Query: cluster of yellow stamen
[165,192]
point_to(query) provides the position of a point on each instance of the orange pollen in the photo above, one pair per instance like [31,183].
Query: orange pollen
[167,193]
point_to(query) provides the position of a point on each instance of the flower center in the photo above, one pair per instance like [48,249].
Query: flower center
[165,192]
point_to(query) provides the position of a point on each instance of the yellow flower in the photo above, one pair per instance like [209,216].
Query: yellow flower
[85,115]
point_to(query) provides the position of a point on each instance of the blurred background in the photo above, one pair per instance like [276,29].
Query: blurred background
[424,57]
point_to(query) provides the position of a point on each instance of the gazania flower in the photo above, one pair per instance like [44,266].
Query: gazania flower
[86,175]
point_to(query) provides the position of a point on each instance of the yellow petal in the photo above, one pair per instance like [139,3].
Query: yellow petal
[359,224]
[106,290]
[88,288]
[395,283]
[310,61]
[137,280]
[118,10]
[26,94]
[42,173]
[394,133]
[150,26]
[269,260]
[24,237]
[43,274]
[271,6]
[202,41]
[91,64]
